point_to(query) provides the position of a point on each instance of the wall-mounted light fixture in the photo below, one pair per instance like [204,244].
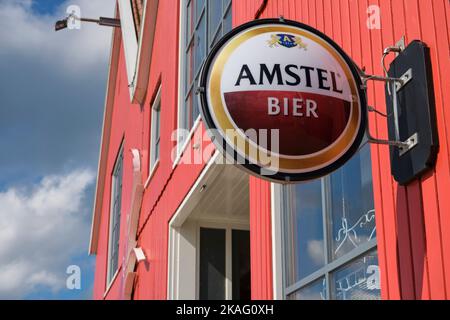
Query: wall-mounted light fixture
[102,21]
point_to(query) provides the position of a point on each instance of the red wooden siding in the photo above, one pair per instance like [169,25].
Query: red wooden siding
[260,239]
[260,204]
[169,185]
[413,222]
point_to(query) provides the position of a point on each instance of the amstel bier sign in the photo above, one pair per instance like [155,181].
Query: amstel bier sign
[282,100]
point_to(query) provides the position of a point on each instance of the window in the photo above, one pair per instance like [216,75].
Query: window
[212,264]
[240,260]
[330,236]
[137,8]
[205,22]
[115,213]
[224,261]
[155,137]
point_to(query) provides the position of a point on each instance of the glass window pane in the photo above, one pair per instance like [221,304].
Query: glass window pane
[305,243]
[227,22]
[187,123]
[215,15]
[157,150]
[313,291]
[200,44]
[154,140]
[195,112]
[359,280]
[158,121]
[199,4]
[352,212]
[189,67]
[189,22]
[241,264]
[225,4]
[212,264]
[114,234]
[215,40]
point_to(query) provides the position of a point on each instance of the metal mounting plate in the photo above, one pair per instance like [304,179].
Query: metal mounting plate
[406,77]
[411,142]
[401,44]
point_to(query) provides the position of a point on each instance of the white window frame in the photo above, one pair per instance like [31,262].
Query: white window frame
[156,108]
[109,276]
[278,248]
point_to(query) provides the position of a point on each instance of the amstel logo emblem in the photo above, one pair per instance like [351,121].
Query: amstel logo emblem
[281,113]
[286,40]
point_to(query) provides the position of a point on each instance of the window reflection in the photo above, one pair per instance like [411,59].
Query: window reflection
[215,15]
[200,45]
[305,231]
[359,280]
[206,22]
[352,208]
[199,5]
[325,221]
[313,291]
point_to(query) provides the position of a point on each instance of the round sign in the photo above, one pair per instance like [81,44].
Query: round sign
[282,100]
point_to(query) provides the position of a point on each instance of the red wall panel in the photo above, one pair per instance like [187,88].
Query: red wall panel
[260,239]
[413,222]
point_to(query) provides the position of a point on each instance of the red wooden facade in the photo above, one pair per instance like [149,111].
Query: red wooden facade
[413,222]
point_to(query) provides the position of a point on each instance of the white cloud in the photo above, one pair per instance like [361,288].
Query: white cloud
[41,229]
[24,32]
[315,251]
[52,89]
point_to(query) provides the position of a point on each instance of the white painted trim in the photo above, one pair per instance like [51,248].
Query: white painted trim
[181,146]
[129,40]
[128,284]
[104,145]
[110,284]
[139,253]
[179,217]
[177,231]
[237,223]
[152,172]
[145,48]
[197,262]
[181,76]
[277,241]
[138,52]
[130,258]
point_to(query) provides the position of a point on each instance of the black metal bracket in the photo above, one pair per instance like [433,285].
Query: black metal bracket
[395,84]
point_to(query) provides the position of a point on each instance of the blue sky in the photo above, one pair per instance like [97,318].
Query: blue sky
[52,89]
[46,6]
